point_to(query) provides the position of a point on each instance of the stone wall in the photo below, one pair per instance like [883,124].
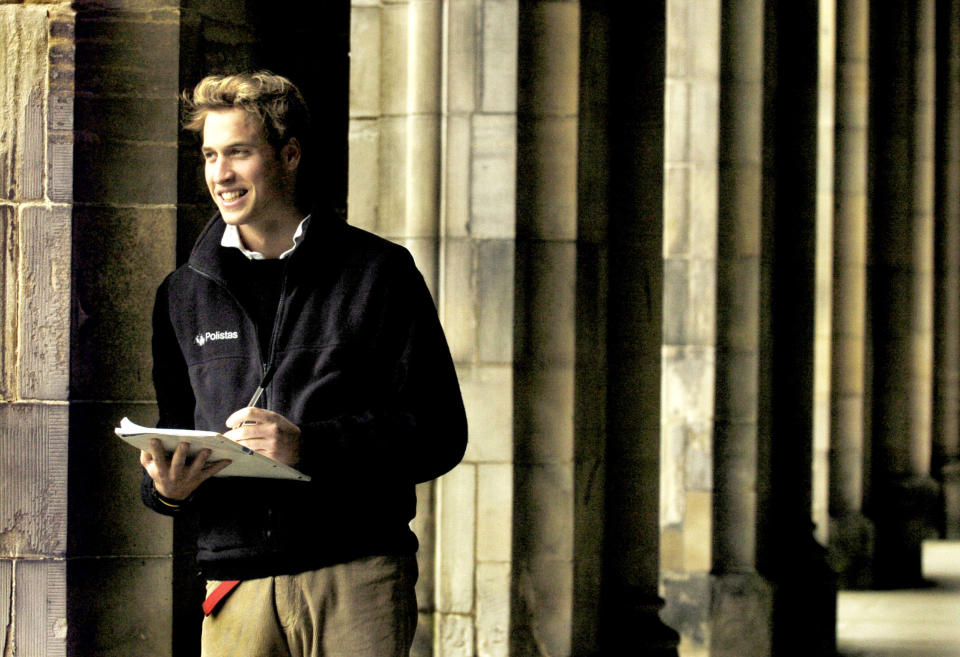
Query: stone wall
[36,145]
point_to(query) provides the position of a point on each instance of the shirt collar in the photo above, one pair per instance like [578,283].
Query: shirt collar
[231,239]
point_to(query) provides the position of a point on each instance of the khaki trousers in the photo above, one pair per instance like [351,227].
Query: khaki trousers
[364,608]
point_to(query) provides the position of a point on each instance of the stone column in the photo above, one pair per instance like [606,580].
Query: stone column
[804,606]
[850,536]
[946,403]
[902,86]
[36,153]
[124,216]
[545,496]
[636,319]
[823,295]
[711,328]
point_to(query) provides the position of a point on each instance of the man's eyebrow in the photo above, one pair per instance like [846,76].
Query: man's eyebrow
[236,144]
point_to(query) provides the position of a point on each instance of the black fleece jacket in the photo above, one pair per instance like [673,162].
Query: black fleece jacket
[362,367]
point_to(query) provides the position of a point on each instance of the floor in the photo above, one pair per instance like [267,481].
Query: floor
[909,623]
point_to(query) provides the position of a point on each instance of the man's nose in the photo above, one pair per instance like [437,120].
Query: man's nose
[222,171]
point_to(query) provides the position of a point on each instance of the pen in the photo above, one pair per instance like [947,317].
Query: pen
[260,388]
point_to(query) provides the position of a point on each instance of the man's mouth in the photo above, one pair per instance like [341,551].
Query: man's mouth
[232,195]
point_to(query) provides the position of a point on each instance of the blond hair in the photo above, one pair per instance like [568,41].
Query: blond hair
[273,100]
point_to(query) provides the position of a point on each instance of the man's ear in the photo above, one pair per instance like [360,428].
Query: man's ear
[290,155]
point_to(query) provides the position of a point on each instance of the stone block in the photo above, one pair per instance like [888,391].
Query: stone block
[363,190]
[422,211]
[688,383]
[545,592]
[488,397]
[424,252]
[673,443]
[423,639]
[425,64]
[546,302]
[493,610]
[128,251]
[120,607]
[494,300]
[456,539]
[119,121]
[676,211]
[127,52]
[7,587]
[394,55]
[676,108]
[697,534]
[456,636]
[41,608]
[424,526]
[457,176]
[33,489]
[23,79]
[365,62]
[9,301]
[494,512]
[703,212]
[549,75]
[44,332]
[498,81]
[493,176]
[462,55]
[459,312]
[125,174]
[394,165]
[741,611]
[544,416]
[544,523]
[547,167]
[105,473]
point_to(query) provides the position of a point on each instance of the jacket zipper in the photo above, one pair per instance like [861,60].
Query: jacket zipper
[264,365]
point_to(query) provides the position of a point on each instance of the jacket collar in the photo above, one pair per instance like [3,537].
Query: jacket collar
[318,245]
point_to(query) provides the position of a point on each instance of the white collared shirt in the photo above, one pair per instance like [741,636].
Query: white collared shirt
[231,239]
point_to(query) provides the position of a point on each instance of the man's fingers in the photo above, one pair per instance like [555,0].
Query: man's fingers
[179,458]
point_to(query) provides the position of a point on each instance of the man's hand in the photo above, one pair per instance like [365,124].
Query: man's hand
[266,432]
[172,476]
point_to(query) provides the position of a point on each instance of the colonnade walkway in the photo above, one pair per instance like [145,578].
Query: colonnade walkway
[922,622]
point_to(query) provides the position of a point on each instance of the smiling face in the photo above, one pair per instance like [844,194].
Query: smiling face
[251,183]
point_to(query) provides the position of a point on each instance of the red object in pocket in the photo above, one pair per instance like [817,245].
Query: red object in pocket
[217,595]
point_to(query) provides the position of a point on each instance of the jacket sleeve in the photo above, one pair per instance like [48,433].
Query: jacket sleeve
[171,382]
[417,428]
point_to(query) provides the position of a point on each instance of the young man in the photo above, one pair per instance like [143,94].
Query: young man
[360,393]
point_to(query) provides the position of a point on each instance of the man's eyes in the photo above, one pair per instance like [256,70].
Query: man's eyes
[210,156]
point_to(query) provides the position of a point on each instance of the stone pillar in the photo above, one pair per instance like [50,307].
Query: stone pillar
[636,315]
[124,217]
[823,295]
[903,495]
[36,153]
[712,252]
[804,605]
[545,497]
[850,536]
[946,403]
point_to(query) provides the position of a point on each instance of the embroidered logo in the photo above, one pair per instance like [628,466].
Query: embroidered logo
[203,338]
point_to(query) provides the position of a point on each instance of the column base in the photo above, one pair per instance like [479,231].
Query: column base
[632,625]
[726,615]
[850,551]
[905,513]
[950,474]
